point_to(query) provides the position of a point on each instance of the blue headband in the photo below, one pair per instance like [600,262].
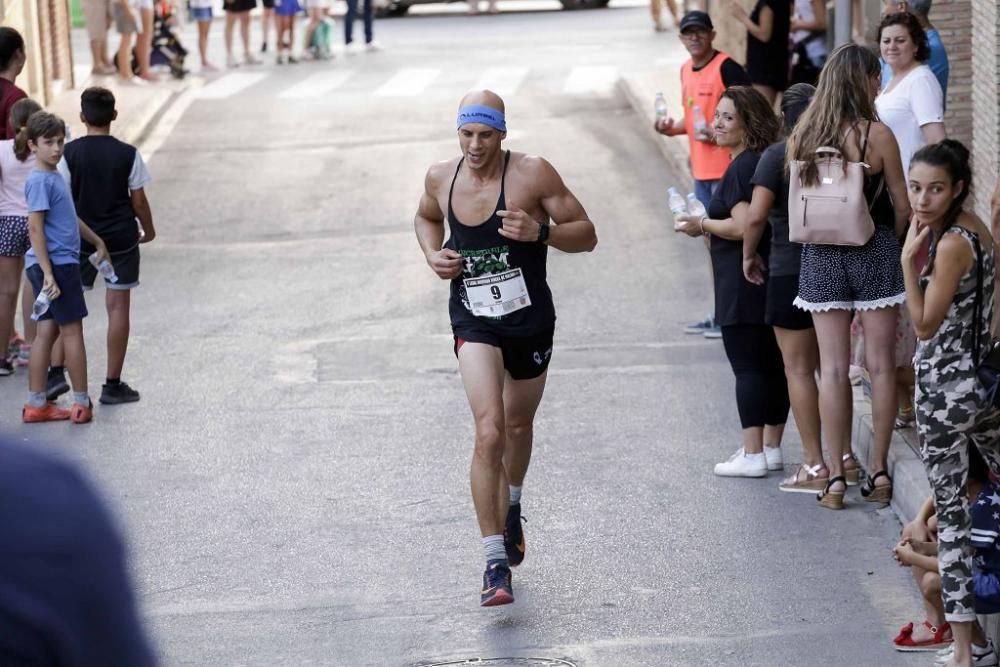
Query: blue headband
[481,114]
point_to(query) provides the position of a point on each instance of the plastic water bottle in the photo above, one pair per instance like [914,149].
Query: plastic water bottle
[677,206]
[41,305]
[105,268]
[698,116]
[695,207]
[661,107]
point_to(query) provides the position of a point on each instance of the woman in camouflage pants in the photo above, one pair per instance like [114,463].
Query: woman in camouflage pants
[952,411]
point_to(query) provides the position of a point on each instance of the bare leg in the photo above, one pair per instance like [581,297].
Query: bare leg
[773,434]
[929,584]
[57,354]
[314,18]
[125,57]
[656,9]
[801,355]
[27,299]
[753,440]
[672,5]
[904,388]
[144,44]
[520,402]
[962,632]
[38,365]
[266,21]
[228,35]
[118,303]
[203,28]
[76,354]
[835,409]
[482,372]
[245,33]
[10,283]
[880,341]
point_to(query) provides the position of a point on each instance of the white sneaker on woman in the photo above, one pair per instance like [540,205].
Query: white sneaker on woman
[773,456]
[742,464]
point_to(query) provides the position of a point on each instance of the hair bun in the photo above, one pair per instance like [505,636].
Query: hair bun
[956,147]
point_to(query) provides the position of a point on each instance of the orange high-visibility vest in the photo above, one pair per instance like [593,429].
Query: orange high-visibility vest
[704,87]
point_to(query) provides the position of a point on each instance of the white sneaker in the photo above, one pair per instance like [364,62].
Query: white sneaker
[943,656]
[773,456]
[984,656]
[373,46]
[742,464]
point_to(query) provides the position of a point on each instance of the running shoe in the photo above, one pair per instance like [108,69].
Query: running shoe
[700,327]
[496,585]
[49,413]
[713,333]
[82,414]
[57,386]
[513,535]
[112,394]
[6,367]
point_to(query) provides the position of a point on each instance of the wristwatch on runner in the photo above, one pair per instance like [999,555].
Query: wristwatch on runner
[543,233]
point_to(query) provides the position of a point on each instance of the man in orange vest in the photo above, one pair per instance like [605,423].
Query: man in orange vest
[703,80]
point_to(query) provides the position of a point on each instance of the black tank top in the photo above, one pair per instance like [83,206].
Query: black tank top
[486,253]
[877,194]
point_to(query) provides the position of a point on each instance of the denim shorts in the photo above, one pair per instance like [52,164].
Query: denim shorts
[70,306]
[201,13]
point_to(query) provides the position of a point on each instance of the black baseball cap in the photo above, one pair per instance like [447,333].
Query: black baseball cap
[696,19]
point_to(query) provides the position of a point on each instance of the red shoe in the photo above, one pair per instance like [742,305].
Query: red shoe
[80,414]
[904,640]
[50,413]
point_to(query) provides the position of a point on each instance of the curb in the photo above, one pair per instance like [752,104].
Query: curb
[910,485]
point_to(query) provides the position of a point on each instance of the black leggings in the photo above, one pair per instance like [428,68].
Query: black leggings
[761,390]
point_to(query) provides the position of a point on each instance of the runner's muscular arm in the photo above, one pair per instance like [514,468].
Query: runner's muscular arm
[429,226]
[571,230]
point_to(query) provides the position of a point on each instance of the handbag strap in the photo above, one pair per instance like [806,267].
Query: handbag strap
[977,317]
[881,180]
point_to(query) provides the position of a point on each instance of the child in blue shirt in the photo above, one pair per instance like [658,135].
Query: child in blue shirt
[53,266]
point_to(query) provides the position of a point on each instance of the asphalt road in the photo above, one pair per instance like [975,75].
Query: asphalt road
[294,483]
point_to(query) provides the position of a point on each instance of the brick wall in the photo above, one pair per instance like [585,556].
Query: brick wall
[985,17]
[953,19]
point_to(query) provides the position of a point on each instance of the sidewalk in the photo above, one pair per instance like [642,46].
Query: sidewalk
[910,486]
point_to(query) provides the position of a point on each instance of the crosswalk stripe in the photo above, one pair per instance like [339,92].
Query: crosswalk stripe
[230,84]
[407,82]
[318,84]
[502,80]
[599,80]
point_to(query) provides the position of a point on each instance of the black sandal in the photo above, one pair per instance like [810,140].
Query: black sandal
[830,499]
[877,494]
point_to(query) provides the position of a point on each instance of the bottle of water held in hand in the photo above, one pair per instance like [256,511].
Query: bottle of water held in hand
[677,206]
[105,268]
[700,124]
[695,207]
[661,107]
[41,305]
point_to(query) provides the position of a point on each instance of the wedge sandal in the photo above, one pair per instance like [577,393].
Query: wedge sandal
[853,476]
[830,499]
[805,480]
[877,494]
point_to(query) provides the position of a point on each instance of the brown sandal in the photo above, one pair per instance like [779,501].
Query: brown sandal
[830,499]
[877,494]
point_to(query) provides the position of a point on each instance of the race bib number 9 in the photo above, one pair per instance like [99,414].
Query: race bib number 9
[497,294]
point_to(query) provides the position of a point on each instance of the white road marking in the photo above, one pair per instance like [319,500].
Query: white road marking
[162,128]
[502,80]
[407,82]
[598,80]
[230,84]
[318,84]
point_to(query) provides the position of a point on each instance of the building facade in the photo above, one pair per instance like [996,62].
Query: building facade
[45,25]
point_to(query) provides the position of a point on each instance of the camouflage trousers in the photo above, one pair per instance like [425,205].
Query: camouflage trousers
[950,419]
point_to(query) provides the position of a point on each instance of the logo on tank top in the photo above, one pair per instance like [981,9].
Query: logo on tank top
[490,287]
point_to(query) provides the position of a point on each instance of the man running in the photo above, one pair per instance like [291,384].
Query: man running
[503,210]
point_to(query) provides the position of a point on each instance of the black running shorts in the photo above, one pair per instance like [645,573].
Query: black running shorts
[524,358]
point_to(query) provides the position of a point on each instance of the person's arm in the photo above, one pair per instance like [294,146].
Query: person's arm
[927,310]
[730,229]
[88,235]
[733,74]
[756,219]
[669,127]
[429,227]
[571,230]
[917,529]
[818,23]
[36,234]
[995,214]
[907,556]
[933,132]
[895,179]
[763,30]
[140,204]
[927,104]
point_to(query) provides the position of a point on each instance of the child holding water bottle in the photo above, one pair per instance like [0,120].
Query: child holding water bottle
[107,178]
[53,267]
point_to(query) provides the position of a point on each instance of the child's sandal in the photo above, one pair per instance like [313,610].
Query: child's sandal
[830,499]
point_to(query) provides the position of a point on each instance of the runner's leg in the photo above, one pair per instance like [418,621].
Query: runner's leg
[481,367]
[520,402]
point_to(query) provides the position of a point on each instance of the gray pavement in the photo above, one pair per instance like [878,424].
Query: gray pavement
[294,483]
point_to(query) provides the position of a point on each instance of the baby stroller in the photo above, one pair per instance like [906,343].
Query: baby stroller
[167,48]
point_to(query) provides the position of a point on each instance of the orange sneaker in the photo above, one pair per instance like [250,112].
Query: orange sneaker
[50,413]
[80,414]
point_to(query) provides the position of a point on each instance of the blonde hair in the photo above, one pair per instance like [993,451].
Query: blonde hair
[843,96]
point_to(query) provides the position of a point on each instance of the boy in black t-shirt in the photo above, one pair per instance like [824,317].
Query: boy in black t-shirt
[107,177]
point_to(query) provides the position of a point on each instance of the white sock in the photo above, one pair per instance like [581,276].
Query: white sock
[515,494]
[493,546]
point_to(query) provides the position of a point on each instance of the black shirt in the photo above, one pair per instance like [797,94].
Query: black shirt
[771,174]
[65,597]
[99,168]
[731,71]
[767,62]
[737,300]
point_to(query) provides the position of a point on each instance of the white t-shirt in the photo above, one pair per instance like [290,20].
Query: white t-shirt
[13,174]
[915,101]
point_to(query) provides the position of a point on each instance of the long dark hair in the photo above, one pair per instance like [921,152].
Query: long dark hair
[10,43]
[953,157]
[793,103]
[19,115]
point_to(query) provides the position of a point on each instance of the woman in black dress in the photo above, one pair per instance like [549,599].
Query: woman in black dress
[767,44]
